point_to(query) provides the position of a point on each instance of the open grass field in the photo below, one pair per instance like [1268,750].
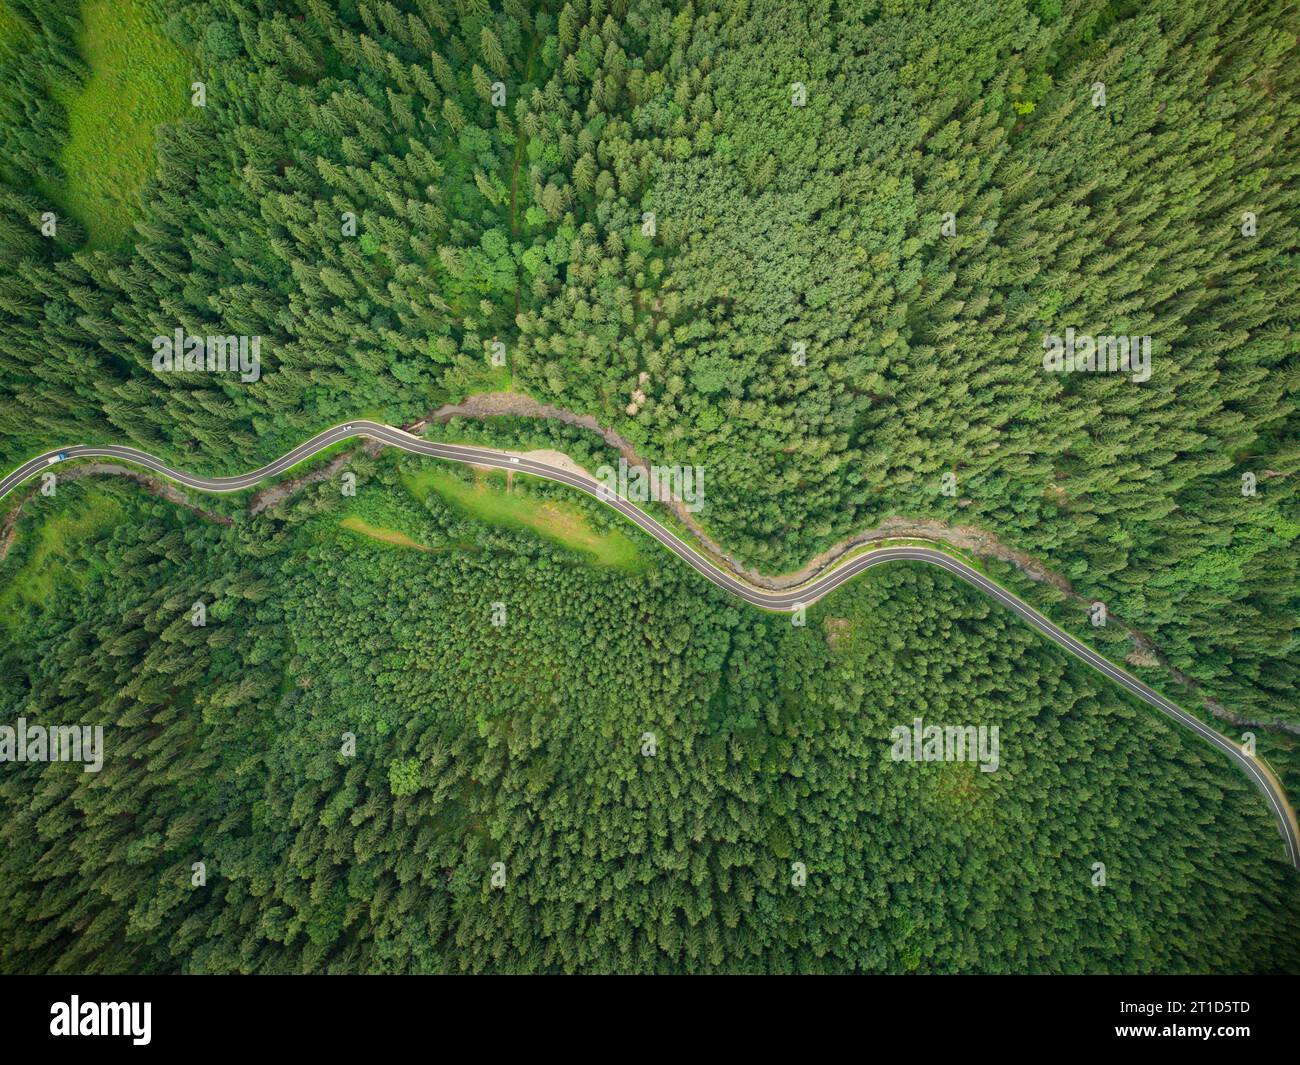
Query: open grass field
[139,79]
[54,552]
[487,500]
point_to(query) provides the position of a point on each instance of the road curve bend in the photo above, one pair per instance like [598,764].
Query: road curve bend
[785,600]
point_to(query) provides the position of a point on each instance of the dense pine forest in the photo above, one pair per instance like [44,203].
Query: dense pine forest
[815,250]
[520,751]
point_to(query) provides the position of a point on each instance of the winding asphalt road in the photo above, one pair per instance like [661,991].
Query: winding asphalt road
[788,600]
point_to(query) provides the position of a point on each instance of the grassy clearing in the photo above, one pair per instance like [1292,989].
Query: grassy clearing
[55,551]
[377,532]
[561,523]
[139,79]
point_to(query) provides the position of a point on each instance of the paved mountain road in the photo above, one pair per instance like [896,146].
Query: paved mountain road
[787,600]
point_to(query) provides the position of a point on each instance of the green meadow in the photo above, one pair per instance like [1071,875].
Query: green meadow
[30,576]
[139,79]
[487,500]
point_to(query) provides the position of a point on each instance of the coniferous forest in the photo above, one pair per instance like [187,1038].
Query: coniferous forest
[431,719]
